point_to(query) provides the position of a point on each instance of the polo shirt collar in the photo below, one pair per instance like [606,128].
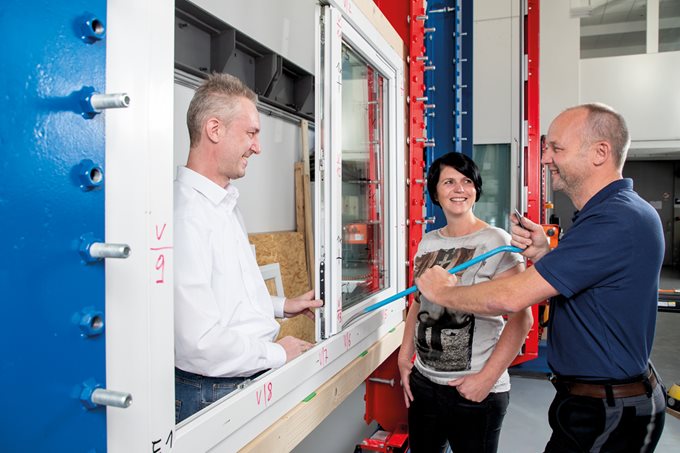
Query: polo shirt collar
[610,189]
[213,192]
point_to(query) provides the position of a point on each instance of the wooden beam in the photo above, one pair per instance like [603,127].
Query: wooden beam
[299,199]
[292,428]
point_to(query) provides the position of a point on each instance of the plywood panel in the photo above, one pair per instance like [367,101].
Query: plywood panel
[288,249]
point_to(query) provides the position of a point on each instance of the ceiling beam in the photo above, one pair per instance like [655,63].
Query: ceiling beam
[627,27]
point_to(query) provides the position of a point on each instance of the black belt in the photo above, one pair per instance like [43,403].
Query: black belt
[644,386]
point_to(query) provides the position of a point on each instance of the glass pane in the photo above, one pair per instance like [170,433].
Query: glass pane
[494,165]
[669,26]
[363,182]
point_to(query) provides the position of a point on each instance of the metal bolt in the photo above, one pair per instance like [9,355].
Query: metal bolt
[112,398]
[390,382]
[92,395]
[91,175]
[92,249]
[425,220]
[91,322]
[448,9]
[92,29]
[93,103]
[103,250]
[101,102]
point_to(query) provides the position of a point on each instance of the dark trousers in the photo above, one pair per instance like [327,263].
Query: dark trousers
[438,413]
[583,424]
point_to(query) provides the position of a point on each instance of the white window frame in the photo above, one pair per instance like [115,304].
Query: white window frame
[234,421]
[342,24]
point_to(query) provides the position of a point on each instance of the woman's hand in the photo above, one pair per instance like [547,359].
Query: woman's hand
[473,387]
[405,366]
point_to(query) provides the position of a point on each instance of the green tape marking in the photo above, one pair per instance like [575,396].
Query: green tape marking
[309,398]
[363,353]
[392,329]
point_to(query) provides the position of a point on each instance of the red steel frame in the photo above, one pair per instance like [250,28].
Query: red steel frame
[384,403]
[416,153]
[532,150]
[533,173]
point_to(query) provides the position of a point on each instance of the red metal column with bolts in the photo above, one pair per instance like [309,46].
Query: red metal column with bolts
[416,177]
[533,172]
[384,396]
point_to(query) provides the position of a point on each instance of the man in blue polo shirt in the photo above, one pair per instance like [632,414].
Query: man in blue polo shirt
[603,281]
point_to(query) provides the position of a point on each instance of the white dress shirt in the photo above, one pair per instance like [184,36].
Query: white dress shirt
[224,316]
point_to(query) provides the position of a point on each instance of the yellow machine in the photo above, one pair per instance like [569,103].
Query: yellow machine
[673,398]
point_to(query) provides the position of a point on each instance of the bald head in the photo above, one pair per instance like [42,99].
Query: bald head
[603,123]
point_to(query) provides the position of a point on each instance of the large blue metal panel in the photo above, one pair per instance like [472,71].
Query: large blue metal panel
[448,45]
[45,286]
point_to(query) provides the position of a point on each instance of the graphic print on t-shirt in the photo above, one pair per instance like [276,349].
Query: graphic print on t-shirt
[443,337]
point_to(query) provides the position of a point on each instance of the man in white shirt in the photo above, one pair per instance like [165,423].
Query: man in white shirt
[225,323]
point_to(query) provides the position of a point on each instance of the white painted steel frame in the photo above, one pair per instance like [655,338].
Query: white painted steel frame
[139,211]
[232,423]
[345,23]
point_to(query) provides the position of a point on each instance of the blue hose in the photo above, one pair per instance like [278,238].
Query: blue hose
[460,267]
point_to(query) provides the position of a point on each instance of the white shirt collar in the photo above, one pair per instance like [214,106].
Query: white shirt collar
[213,192]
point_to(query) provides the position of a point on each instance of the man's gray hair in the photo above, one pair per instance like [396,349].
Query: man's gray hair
[605,123]
[217,97]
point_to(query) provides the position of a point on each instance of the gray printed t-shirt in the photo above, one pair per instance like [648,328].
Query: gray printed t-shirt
[450,344]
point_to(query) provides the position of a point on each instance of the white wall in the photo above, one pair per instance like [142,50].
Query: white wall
[559,60]
[644,89]
[558,76]
[496,72]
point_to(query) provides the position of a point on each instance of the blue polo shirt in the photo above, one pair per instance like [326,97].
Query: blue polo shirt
[606,268]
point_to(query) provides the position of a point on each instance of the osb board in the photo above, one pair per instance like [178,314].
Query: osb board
[288,249]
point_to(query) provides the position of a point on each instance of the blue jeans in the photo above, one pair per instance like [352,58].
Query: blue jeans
[438,413]
[194,392]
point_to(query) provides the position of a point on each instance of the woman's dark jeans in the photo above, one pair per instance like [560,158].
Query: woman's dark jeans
[438,413]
